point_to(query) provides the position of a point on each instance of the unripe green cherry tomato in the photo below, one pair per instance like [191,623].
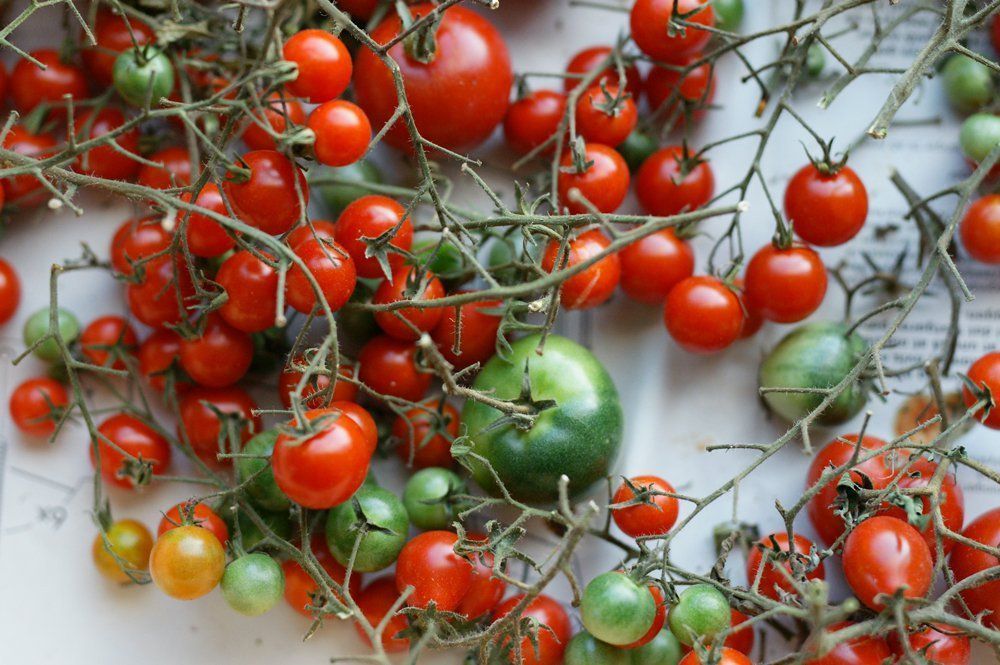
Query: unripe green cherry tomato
[637,148]
[429,498]
[253,584]
[664,649]
[967,83]
[702,612]
[143,73]
[263,490]
[280,523]
[37,326]
[380,515]
[617,610]
[728,15]
[585,649]
[815,61]
[339,196]
[980,133]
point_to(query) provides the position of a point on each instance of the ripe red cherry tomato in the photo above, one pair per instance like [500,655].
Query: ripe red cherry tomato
[202,428]
[324,65]
[269,199]
[10,291]
[772,581]
[105,161]
[752,320]
[429,564]
[332,268]
[668,184]
[425,435]
[478,339]
[470,67]
[836,454]
[113,35]
[941,644]
[551,643]
[174,170]
[278,111]
[703,315]
[325,469]
[135,240]
[980,229]
[655,265]
[485,590]
[867,650]
[966,561]
[952,499]
[161,298]
[727,656]
[107,335]
[252,287]
[363,419]
[388,366]
[220,356]
[342,132]
[199,515]
[25,190]
[368,218]
[604,183]
[590,59]
[785,285]
[157,354]
[205,236]
[654,516]
[884,554]
[301,590]
[600,119]
[594,284]
[696,89]
[414,285]
[35,405]
[317,229]
[375,601]
[343,391]
[31,85]
[134,437]
[742,639]
[650,21]
[985,372]
[826,209]
[531,120]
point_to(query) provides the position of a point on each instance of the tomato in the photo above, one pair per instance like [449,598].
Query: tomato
[774,551]
[252,289]
[31,85]
[656,513]
[128,541]
[326,468]
[108,338]
[105,161]
[728,14]
[429,564]
[596,283]
[579,436]
[368,218]
[533,119]
[134,441]
[826,209]
[201,426]
[187,562]
[653,266]
[136,240]
[10,289]
[967,561]
[663,649]
[36,405]
[301,590]
[951,496]
[254,538]
[269,198]
[26,190]
[694,90]
[866,650]
[291,374]
[187,513]
[388,366]
[743,638]
[316,229]
[980,229]
[601,117]
[469,66]
[476,343]
[553,634]
[342,132]
[206,237]
[143,75]
[659,619]
[416,285]
[375,601]
[162,297]
[968,83]
[255,473]
[785,285]
[323,63]
[727,656]
[940,644]
[701,613]
[604,183]
[113,34]
[332,268]
[668,183]
[650,22]
[837,453]
[590,59]
[979,134]
[363,419]
[353,180]
[253,583]
[158,353]
[425,435]
[703,314]
[37,327]
[985,373]
[375,516]
[219,356]
[585,649]
[174,170]
[485,590]
[752,320]
[429,498]
[281,113]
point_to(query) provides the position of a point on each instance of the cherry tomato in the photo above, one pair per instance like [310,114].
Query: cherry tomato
[202,428]
[785,285]
[410,285]
[429,564]
[31,85]
[108,338]
[470,67]
[10,291]
[985,372]
[668,183]
[596,283]
[136,240]
[3,81]
[175,169]
[617,610]
[654,265]
[162,297]
[187,562]
[301,590]
[253,583]
[752,320]
[205,236]
[650,21]
[134,437]
[368,218]
[376,599]
[342,132]
[332,268]
[703,314]
[951,496]
[36,405]
[199,514]
[363,419]
[278,111]
[104,161]
[866,650]
[485,590]
[826,209]
[362,9]
[218,357]
[143,75]
[388,366]
[726,655]
[654,516]
[343,391]
[696,89]
[157,354]
[701,613]
[980,229]
[659,619]
[602,118]
[968,84]
[324,65]
[26,190]
[533,119]
[939,643]
[742,639]
[113,34]
[604,183]
[590,59]
[269,198]
[477,340]
[426,434]
[966,561]
[128,541]
[316,229]
[774,551]
[550,643]
[252,287]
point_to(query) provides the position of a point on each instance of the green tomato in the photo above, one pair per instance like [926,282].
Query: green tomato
[141,73]
[429,498]
[253,538]
[448,263]
[339,196]
[815,60]
[617,610]
[355,326]
[815,355]
[664,649]
[980,133]
[967,83]
[387,525]
[253,584]
[702,612]
[578,431]
[584,649]
[37,326]
[263,489]
[728,14]
[637,148]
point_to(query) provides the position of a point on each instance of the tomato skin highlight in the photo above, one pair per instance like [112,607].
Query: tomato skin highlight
[113,35]
[104,332]
[595,284]
[785,285]
[201,426]
[425,438]
[279,111]
[952,502]
[478,339]
[157,354]
[703,315]
[729,657]
[653,266]
[206,237]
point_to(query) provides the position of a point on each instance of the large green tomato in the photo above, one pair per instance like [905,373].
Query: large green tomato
[385,516]
[253,584]
[617,610]
[664,649]
[585,649]
[578,434]
[263,489]
[816,355]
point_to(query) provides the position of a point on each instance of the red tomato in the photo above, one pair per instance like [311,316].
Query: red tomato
[269,198]
[667,184]
[218,357]
[252,287]
[696,89]
[175,169]
[135,438]
[772,582]
[324,65]
[742,639]
[654,516]
[966,561]
[343,391]
[426,434]
[10,291]
[278,111]
[533,119]
[375,601]
[342,132]
[658,620]
[363,419]
[199,515]
[826,209]
[416,285]
[36,405]
[939,643]
[590,59]
[301,590]
[867,650]
[980,229]
[785,285]
[161,298]
[602,119]
[429,564]
[3,81]
[604,184]
[952,500]
[703,315]
[485,590]
[113,34]
[650,21]
[368,218]
[332,268]
[551,642]
[985,373]
[593,285]
[478,338]
[726,655]
[157,354]
[317,229]
[326,468]
[836,454]
[105,161]
[26,190]
[202,428]
[654,265]
[107,336]
[31,85]
[205,236]
[752,320]
[388,366]
[135,240]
